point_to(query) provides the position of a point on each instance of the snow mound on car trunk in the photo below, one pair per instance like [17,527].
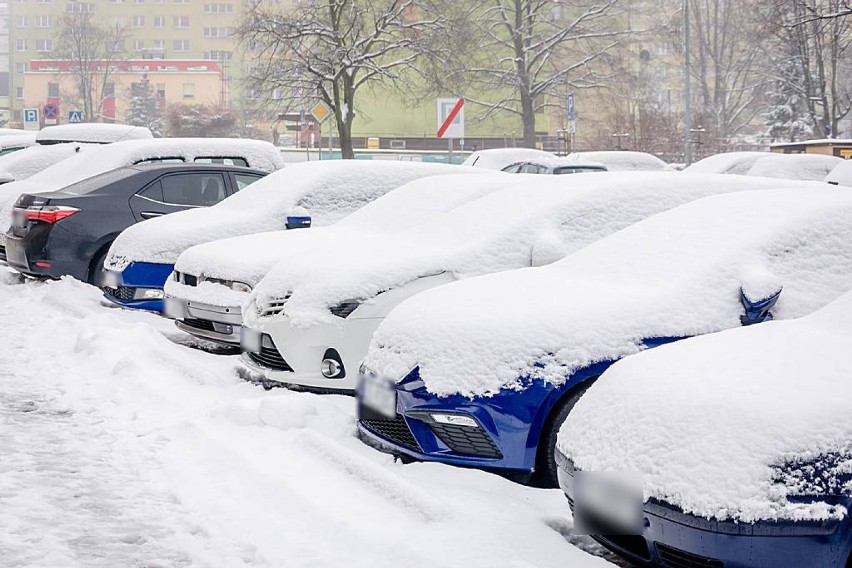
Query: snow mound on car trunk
[727,425]
[676,274]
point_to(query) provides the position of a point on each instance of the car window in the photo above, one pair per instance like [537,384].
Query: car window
[195,189]
[160,161]
[244,180]
[153,191]
[577,170]
[225,161]
[513,169]
[529,169]
[5,151]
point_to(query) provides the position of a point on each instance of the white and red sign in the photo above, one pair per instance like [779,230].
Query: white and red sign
[450,118]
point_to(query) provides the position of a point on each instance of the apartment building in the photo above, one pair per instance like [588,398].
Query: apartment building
[155,29]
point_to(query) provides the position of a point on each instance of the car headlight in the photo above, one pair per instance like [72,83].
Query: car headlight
[240,287]
[343,309]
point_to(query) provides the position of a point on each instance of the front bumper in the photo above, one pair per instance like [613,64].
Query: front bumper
[221,324]
[126,288]
[671,538]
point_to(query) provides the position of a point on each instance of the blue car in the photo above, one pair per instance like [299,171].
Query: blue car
[483,372]
[742,439]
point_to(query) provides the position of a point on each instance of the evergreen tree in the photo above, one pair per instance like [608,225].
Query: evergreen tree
[788,118]
[144,107]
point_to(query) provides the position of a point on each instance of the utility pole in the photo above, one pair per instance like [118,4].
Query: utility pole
[687,98]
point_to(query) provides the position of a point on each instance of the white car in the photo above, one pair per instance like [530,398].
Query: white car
[213,280]
[726,163]
[553,166]
[746,432]
[499,158]
[306,194]
[15,142]
[622,160]
[309,321]
[92,133]
[806,167]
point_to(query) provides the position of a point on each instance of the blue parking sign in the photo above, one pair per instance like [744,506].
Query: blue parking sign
[31,119]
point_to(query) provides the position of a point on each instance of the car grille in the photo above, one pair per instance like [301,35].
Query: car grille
[394,430]
[270,358]
[273,307]
[674,558]
[466,440]
[206,325]
[2,253]
[123,293]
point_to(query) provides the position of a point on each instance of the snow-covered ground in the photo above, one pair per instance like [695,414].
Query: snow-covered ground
[122,447]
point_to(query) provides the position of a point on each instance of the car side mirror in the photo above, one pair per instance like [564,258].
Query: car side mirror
[298,221]
[758,301]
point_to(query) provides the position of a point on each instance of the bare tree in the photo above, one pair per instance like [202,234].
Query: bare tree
[331,49]
[91,50]
[527,54]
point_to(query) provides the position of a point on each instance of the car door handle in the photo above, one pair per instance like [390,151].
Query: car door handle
[151,214]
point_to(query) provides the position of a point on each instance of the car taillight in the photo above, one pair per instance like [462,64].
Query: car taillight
[49,213]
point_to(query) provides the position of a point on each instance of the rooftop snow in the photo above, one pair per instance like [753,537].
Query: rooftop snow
[726,163]
[499,158]
[534,220]
[813,167]
[720,425]
[328,190]
[676,274]
[622,160]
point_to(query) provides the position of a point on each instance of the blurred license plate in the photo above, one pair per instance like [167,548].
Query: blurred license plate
[379,396]
[110,279]
[250,340]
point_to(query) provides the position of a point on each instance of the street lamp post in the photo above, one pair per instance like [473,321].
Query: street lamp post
[687,98]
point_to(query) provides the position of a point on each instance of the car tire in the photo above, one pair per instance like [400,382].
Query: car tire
[96,268]
[545,466]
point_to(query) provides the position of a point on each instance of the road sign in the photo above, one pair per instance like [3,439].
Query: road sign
[572,115]
[320,111]
[31,121]
[51,110]
[450,118]
[75,116]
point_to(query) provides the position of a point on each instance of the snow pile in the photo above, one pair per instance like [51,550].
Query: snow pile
[726,163]
[676,274]
[813,167]
[249,258]
[729,425]
[142,452]
[328,190]
[622,160]
[536,219]
[30,161]
[260,155]
[499,158]
[92,133]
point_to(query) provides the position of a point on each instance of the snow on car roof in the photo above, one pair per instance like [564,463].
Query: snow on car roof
[726,163]
[22,140]
[561,162]
[11,131]
[622,160]
[499,158]
[260,155]
[94,133]
[813,167]
[248,258]
[675,274]
[29,161]
[327,190]
[535,220]
[726,425]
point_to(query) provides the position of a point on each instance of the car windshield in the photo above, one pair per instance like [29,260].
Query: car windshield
[95,182]
[578,170]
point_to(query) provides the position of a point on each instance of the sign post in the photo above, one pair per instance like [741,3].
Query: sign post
[320,112]
[450,122]
[572,119]
[31,120]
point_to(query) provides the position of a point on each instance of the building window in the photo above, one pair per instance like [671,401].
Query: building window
[218,32]
[138,21]
[180,21]
[20,21]
[180,45]
[44,45]
[42,21]
[20,44]
[53,90]
[138,44]
[218,8]
[189,90]
[218,55]
[109,90]
[19,92]
[77,6]
[161,90]
[159,21]
[159,44]
[20,68]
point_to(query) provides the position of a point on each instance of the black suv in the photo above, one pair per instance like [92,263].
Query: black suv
[68,232]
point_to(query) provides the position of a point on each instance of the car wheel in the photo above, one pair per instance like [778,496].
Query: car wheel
[545,466]
[96,269]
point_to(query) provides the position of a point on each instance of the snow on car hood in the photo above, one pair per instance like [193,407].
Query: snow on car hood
[813,167]
[675,274]
[327,190]
[622,160]
[534,220]
[721,425]
[260,155]
[726,163]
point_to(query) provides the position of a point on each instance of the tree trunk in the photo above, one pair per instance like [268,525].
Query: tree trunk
[528,116]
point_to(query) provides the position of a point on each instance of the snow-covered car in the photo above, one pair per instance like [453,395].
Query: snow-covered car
[483,372]
[810,167]
[15,142]
[307,194]
[212,281]
[309,321]
[91,133]
[726,163]
[741,440]
[499,158]
[621,160]
[841,174]
[557,166]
